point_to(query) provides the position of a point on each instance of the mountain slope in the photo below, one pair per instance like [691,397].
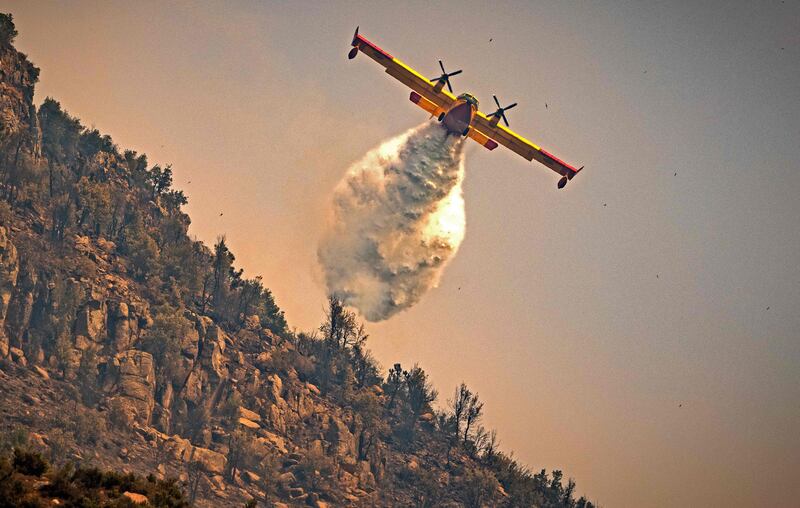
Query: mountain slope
[127,345]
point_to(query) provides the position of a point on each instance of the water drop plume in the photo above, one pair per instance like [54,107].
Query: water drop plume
[396,220]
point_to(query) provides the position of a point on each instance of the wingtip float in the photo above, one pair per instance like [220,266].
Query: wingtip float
[460,115]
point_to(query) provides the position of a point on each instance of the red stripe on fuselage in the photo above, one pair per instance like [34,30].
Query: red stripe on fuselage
[373,46]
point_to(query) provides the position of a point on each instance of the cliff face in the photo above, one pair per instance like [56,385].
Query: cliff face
[238,425]
[17,113]
[127,345]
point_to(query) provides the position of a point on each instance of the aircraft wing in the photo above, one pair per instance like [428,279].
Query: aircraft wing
[522,146]
[442,99]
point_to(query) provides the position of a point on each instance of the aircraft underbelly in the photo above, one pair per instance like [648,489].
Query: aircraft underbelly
[458,118]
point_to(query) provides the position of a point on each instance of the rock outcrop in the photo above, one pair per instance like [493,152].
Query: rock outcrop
[135,384]
[18,121]
[9,270]
[90,322]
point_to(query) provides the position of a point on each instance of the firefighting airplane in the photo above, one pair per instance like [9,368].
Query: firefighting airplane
[460,114]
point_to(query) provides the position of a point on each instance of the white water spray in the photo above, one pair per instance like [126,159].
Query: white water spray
[397,219]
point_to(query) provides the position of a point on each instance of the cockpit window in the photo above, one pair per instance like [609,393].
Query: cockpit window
[469,98]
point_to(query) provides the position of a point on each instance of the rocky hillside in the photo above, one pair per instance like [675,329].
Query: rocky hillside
[126,345]
[27,480]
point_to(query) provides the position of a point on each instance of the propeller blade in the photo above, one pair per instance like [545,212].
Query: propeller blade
[496,101]
[504,118]
[454,73]
[509,107]
[448,84]
[442,66]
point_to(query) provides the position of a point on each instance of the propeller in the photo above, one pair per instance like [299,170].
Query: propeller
[501,111]
[445,77]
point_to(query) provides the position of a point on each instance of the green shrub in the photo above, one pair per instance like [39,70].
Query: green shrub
[17,438]
[29,463]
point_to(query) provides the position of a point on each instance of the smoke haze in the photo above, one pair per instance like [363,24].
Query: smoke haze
[397,219]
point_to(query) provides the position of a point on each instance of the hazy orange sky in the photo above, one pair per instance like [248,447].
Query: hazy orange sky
[582,317]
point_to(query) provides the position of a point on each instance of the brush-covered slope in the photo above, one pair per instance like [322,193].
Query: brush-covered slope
[126,345]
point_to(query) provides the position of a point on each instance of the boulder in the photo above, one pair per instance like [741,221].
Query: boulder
[215,334]
[253,381]
[273,440]
[287,478]
[218,483]
[272,339]
[18,356]
[106,246]
[244,422]
[136,498]
[275,388]
[37,439]
[136,383]
[251,477]
[303,404]
[277,419]
[91,321]
[193,391]
[121,330]
[211,461]
[212,360]
[179,448]
[342,441]
[189,343]
[263,360]
[82,243]
[250,415]
[313,389]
